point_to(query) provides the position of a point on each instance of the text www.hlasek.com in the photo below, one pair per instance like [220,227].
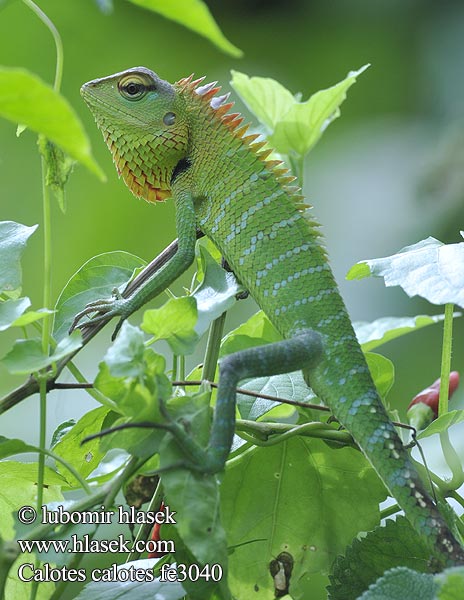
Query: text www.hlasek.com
[85,544]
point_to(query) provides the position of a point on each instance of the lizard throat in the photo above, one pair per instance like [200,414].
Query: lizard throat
[150,182]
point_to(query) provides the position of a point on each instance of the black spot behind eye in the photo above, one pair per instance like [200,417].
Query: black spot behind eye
[169,118]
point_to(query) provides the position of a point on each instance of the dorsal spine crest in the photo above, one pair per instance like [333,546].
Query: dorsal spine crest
[218,108]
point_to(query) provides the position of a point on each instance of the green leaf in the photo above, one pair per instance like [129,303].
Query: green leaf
[266,98]
[31,316]
[443,423]
[21,590]
[125,357]
[10,447]
[401,582]
[195,496]
[295,127]
[96,279]
[20,479]
[381,331]
[59,167]
[290,386]
[195,15]
[382,371]
[137,394]
[451,583]
[258,330]
[395,543]
[26,356]
[265,495]
[174,322]
[216,292]
[128,589]
[305,122]
[13,238]
[430,269]
[12,313]
[26,99]
[84,458]
[10,310]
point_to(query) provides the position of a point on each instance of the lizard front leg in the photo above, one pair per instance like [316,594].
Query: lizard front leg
[123,307]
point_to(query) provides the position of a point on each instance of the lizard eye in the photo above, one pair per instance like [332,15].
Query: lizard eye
[132,87]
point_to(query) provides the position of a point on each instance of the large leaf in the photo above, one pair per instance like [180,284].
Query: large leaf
[84,458]
[290,386]
[256,331]
[266,98]
[294,127]
[382,371]
[305,122]
[174,322]
[13,238]
[383,330]
[26,99]
[396,543]
[125,357]
[20,480]
[451,583]
[143,587]
[195,496]
[430,269]
[195,15]
[216,292]
[13,313]
[96,279]
[401,582]
[265,497]
[443,423]
[27,356]
[10,310]
[182,321]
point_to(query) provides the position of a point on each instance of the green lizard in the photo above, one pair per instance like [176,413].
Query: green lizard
[181,141]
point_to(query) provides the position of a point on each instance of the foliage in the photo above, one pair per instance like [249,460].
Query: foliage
[294,486]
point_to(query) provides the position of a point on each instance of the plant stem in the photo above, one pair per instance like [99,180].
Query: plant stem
[46,326]
[145,528]
[453,461]
[212,348]
[297,167]
[453,494]
[446,360]
[262,433]
[181,366]
[57,39]
[109,498]
[46,330]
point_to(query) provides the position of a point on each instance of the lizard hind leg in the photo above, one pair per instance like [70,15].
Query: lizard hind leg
[299,352]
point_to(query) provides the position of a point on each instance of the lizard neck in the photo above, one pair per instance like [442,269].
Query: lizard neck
[146,163]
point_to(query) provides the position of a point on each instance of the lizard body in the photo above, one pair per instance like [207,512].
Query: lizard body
[181,140]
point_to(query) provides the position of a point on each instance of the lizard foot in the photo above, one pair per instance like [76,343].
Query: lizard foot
[106,309]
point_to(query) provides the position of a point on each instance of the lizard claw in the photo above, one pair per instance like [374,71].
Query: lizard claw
[106,309]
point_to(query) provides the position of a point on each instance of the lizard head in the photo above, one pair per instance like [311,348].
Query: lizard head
[142,119]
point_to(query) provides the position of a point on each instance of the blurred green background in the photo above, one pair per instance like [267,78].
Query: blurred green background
[388,173]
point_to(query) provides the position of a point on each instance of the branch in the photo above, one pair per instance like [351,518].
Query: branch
[31,386]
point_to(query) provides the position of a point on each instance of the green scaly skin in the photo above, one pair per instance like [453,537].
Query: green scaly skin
[180,140]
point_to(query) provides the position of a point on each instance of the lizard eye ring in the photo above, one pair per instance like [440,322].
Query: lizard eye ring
[132,87]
